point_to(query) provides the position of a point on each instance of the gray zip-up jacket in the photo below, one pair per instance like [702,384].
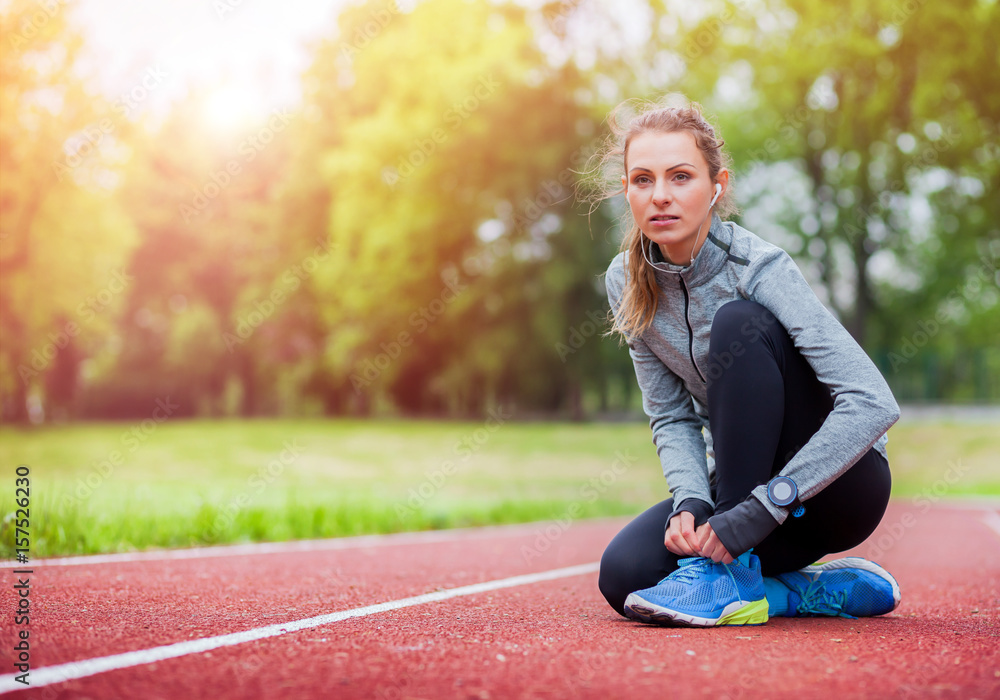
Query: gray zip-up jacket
[672,364]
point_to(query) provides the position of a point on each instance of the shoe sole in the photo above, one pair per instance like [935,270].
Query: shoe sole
[858,563]
[736,613]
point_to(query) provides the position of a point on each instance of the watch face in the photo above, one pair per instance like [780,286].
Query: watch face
[782,491]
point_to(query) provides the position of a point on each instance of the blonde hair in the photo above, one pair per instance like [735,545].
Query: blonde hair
[603,178]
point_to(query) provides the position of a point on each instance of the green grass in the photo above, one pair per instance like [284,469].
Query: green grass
[195,483]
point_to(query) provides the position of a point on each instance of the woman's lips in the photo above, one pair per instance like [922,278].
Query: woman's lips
[663,220]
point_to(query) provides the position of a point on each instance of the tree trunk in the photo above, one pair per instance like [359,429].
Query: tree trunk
[863,298]
[15,405]
[248,380]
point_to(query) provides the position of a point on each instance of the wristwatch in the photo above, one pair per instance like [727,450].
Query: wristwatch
[783,492]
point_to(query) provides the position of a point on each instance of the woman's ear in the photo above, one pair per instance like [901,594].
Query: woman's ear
[723,179]
[624,183]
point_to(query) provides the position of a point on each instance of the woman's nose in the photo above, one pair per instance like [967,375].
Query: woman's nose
[661,192]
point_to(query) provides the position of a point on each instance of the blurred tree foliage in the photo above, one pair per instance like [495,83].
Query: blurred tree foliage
[64,241]
[206,205]
[455,271]
[407,240]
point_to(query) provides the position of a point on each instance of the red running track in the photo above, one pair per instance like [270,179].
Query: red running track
[548,639]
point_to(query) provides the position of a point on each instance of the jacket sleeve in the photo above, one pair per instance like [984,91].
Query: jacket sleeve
[863,409]
[676,427]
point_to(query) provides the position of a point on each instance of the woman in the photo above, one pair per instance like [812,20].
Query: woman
[768,418]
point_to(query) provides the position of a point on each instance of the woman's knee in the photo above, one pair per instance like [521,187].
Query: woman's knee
[737,328]
[627,568]
[616,577]
[741,321]
[636,558]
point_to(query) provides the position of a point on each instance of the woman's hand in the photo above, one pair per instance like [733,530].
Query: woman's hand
[680,537]
[710,546]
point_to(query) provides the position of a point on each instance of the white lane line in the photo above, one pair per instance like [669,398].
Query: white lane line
[331,544]
[992,520]
[968,503]
[47,675]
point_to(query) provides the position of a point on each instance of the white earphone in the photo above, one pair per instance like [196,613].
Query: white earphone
[718,191]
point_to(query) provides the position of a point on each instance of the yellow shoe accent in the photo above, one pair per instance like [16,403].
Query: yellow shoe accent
[753,614]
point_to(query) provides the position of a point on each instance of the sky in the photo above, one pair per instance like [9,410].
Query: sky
[251,52]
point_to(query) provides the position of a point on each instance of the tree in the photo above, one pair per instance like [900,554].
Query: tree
[62,237]
[200,319]
[425,165]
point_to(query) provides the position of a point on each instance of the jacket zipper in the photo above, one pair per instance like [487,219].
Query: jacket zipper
[687,319]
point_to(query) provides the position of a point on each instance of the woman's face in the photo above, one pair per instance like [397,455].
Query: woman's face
[669,190]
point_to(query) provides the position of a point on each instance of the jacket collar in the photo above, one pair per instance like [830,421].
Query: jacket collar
[710,259]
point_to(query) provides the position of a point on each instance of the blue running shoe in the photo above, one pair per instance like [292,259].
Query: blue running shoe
[849,587]
[703,593]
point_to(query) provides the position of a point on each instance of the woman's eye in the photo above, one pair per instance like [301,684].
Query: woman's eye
[682,177]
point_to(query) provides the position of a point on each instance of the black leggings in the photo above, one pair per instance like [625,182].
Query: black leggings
[763,405]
